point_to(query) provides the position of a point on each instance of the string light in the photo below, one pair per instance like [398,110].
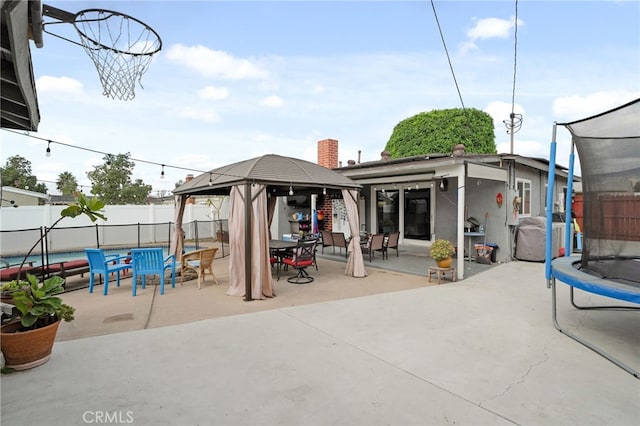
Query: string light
[210,180]
[110,156]
[162,172]
[290,190]
[48,154]
[324,190]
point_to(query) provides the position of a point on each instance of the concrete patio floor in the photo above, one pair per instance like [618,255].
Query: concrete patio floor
[386,349]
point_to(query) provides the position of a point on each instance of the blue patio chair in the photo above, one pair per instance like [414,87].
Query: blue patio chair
[102,264]
[151,261]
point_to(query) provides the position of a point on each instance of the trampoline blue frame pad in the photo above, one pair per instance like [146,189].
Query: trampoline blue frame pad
[563,269]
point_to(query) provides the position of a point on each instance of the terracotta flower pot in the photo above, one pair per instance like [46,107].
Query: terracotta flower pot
[27,349]
[445,263]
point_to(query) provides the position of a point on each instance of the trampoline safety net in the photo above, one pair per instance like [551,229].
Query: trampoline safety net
[608,146]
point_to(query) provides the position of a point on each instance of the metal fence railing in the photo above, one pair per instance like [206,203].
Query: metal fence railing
[17,243]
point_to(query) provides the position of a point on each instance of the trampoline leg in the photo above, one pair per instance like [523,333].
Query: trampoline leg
[583,342]
[612,307]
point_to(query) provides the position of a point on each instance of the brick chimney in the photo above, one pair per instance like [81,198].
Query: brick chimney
[385,155]
[458,150]
[327,157]
[328,153]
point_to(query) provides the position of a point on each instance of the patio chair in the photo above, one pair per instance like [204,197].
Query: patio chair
[151,261]
[327,240]
[392,242]
[375,243]
[199,261]
[102,264]
[340,241]
[303,257]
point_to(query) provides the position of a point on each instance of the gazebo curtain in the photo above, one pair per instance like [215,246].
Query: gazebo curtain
[177,239]
[261,281]
[355,262]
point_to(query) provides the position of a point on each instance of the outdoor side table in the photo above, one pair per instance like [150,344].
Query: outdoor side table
[442,273]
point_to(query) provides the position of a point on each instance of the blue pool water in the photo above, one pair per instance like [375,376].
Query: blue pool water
[71,255]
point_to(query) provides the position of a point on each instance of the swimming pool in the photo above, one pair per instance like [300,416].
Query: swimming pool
[57,257]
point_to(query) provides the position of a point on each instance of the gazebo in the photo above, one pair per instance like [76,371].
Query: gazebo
[253,186]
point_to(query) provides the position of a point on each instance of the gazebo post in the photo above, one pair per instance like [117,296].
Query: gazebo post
[248,207]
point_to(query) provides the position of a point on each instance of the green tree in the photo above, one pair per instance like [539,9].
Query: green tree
[67,183]
[17,173]
[111,181]
[438,131]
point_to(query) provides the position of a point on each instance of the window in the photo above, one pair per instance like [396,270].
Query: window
[524,192]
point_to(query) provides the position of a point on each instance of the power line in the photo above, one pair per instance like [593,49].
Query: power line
[433,6]
[515,59]
[514,123]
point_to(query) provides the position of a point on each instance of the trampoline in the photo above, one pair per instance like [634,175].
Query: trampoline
[608,145]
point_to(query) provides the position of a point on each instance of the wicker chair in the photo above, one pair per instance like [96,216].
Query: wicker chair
[199,261]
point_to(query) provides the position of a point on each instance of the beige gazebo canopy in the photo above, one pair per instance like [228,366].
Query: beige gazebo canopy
[253,186]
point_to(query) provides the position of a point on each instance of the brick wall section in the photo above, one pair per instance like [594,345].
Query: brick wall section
[328,153]
[327,209]
[327,157]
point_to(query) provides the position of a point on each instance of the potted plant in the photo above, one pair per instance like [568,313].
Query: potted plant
[27,339]
[441,252]
[6,291]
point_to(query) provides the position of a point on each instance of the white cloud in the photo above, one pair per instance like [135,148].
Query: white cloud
[214,93]
[215,63]
[317,89]
[492,28]
[501,111]
[485,29]
[577,107]
[272,101]
[66,85]
[201,114]
[525,147]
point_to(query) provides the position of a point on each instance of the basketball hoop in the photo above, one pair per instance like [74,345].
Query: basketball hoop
[120,46]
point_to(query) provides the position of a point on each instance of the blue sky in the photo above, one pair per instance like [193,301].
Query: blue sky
[235,80]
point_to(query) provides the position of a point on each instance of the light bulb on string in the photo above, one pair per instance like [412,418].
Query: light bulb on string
[162,172]
[290,190]
[210,181]
[48,154]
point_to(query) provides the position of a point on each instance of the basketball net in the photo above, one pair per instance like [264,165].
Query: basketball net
[121,48]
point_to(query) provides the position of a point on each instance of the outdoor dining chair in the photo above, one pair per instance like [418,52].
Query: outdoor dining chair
[303,257]
[199,261]
[374,244]
[327,240]
[151,261]
[340,241]
[392,243]
[104,265]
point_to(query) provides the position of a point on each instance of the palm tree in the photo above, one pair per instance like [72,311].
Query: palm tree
[67,183]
